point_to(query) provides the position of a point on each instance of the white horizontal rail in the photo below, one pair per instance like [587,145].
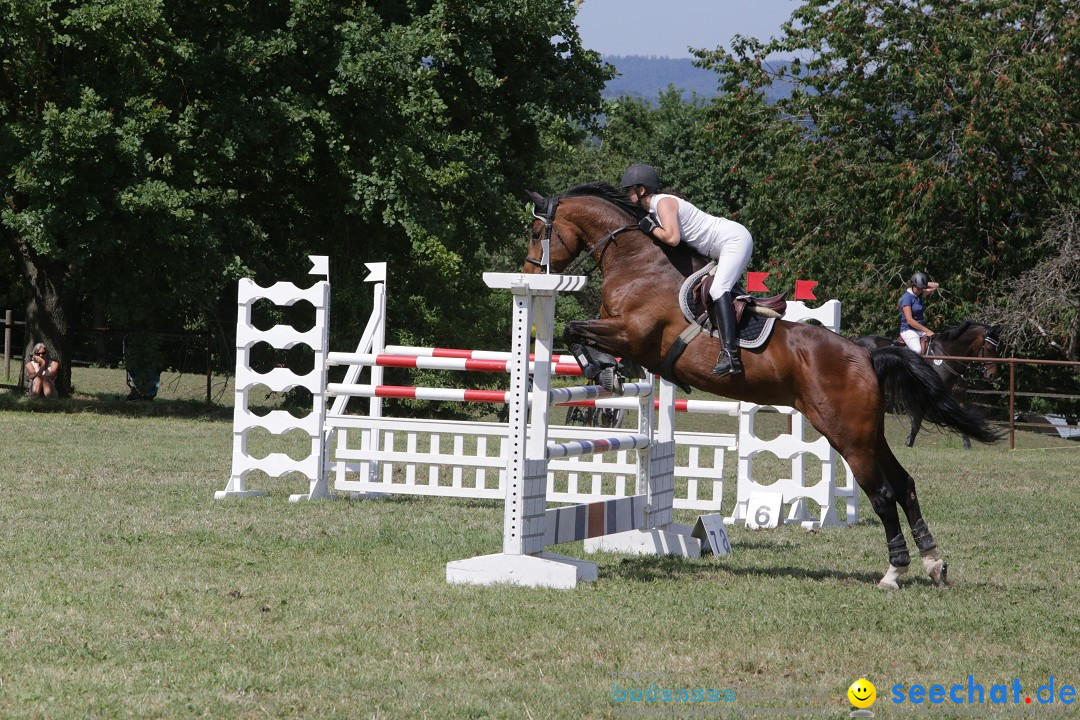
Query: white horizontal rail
[594,392]
[589,447]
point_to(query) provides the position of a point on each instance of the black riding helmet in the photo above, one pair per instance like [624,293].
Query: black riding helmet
[640,174]
[920,280]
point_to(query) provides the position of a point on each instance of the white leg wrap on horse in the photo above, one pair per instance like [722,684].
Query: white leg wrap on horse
[889,582]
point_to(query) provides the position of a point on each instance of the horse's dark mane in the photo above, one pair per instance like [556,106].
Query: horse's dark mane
[604,191]
[955,332]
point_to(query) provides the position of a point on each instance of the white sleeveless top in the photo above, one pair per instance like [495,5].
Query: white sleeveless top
[703,232]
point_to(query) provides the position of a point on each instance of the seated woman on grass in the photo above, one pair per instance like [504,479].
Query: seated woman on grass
[41,373]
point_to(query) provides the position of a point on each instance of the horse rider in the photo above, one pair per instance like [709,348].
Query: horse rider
[670,219]
[912,328]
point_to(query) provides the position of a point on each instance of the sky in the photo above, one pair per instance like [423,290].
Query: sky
[666,28]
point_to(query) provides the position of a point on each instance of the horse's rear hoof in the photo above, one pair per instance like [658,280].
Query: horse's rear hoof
[939,574]
[891,579]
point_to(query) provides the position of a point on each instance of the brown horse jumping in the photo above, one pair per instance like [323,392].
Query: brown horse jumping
[836,384]
[969,339]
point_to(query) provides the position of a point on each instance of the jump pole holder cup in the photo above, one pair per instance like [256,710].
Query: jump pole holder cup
[641,523]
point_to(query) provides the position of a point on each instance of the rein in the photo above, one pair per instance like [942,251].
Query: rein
[590,253]
[944,363]
[987,340]
[548,218]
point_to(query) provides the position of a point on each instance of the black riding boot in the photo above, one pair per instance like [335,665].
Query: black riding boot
[729,361]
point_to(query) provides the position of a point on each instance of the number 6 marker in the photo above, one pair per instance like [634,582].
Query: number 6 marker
[763,510]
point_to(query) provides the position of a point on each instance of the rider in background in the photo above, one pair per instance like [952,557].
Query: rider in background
[911,311]
[672,219]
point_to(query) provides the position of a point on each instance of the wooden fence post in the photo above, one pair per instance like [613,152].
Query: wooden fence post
[9,321]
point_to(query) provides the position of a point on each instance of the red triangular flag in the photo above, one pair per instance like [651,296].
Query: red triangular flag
[804,289]
[755,282]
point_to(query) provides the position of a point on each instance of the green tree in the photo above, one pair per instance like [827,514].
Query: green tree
[935,136]
[153,152]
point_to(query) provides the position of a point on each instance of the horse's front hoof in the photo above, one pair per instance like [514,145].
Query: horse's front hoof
[610,381]
[885,584]
[909,442]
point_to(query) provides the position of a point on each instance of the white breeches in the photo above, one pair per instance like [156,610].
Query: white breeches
[911,339]
[735,249]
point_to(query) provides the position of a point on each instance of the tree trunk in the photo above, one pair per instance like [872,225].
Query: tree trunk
[46,313]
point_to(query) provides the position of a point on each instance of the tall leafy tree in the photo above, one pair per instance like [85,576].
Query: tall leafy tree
[153,151]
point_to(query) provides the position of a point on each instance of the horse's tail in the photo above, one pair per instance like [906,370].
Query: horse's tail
[912,386]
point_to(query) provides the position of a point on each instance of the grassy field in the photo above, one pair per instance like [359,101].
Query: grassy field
[129,592]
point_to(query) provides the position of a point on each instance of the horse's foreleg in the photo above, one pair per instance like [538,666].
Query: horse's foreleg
[598,345]
[959,392]
[604,334]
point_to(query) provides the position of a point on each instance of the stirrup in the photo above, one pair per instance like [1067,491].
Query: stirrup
[727,365]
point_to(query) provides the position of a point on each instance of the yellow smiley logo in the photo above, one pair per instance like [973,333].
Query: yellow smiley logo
[862,693]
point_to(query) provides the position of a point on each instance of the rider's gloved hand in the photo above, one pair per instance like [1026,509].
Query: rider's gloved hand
[647,225]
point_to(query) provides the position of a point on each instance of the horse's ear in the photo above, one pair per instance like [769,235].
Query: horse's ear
[538,200]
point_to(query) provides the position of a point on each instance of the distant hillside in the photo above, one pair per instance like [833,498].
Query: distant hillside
[646,77]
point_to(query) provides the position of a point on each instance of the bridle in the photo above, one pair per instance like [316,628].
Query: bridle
[992,342]
[548,218]
[983,352]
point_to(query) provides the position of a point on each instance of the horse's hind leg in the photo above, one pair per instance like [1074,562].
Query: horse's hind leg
[855,440]
[856,430]
[916,425]
[903,486]
[882,496]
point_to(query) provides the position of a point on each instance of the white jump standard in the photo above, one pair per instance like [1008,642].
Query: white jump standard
[640,523]
[279,379]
